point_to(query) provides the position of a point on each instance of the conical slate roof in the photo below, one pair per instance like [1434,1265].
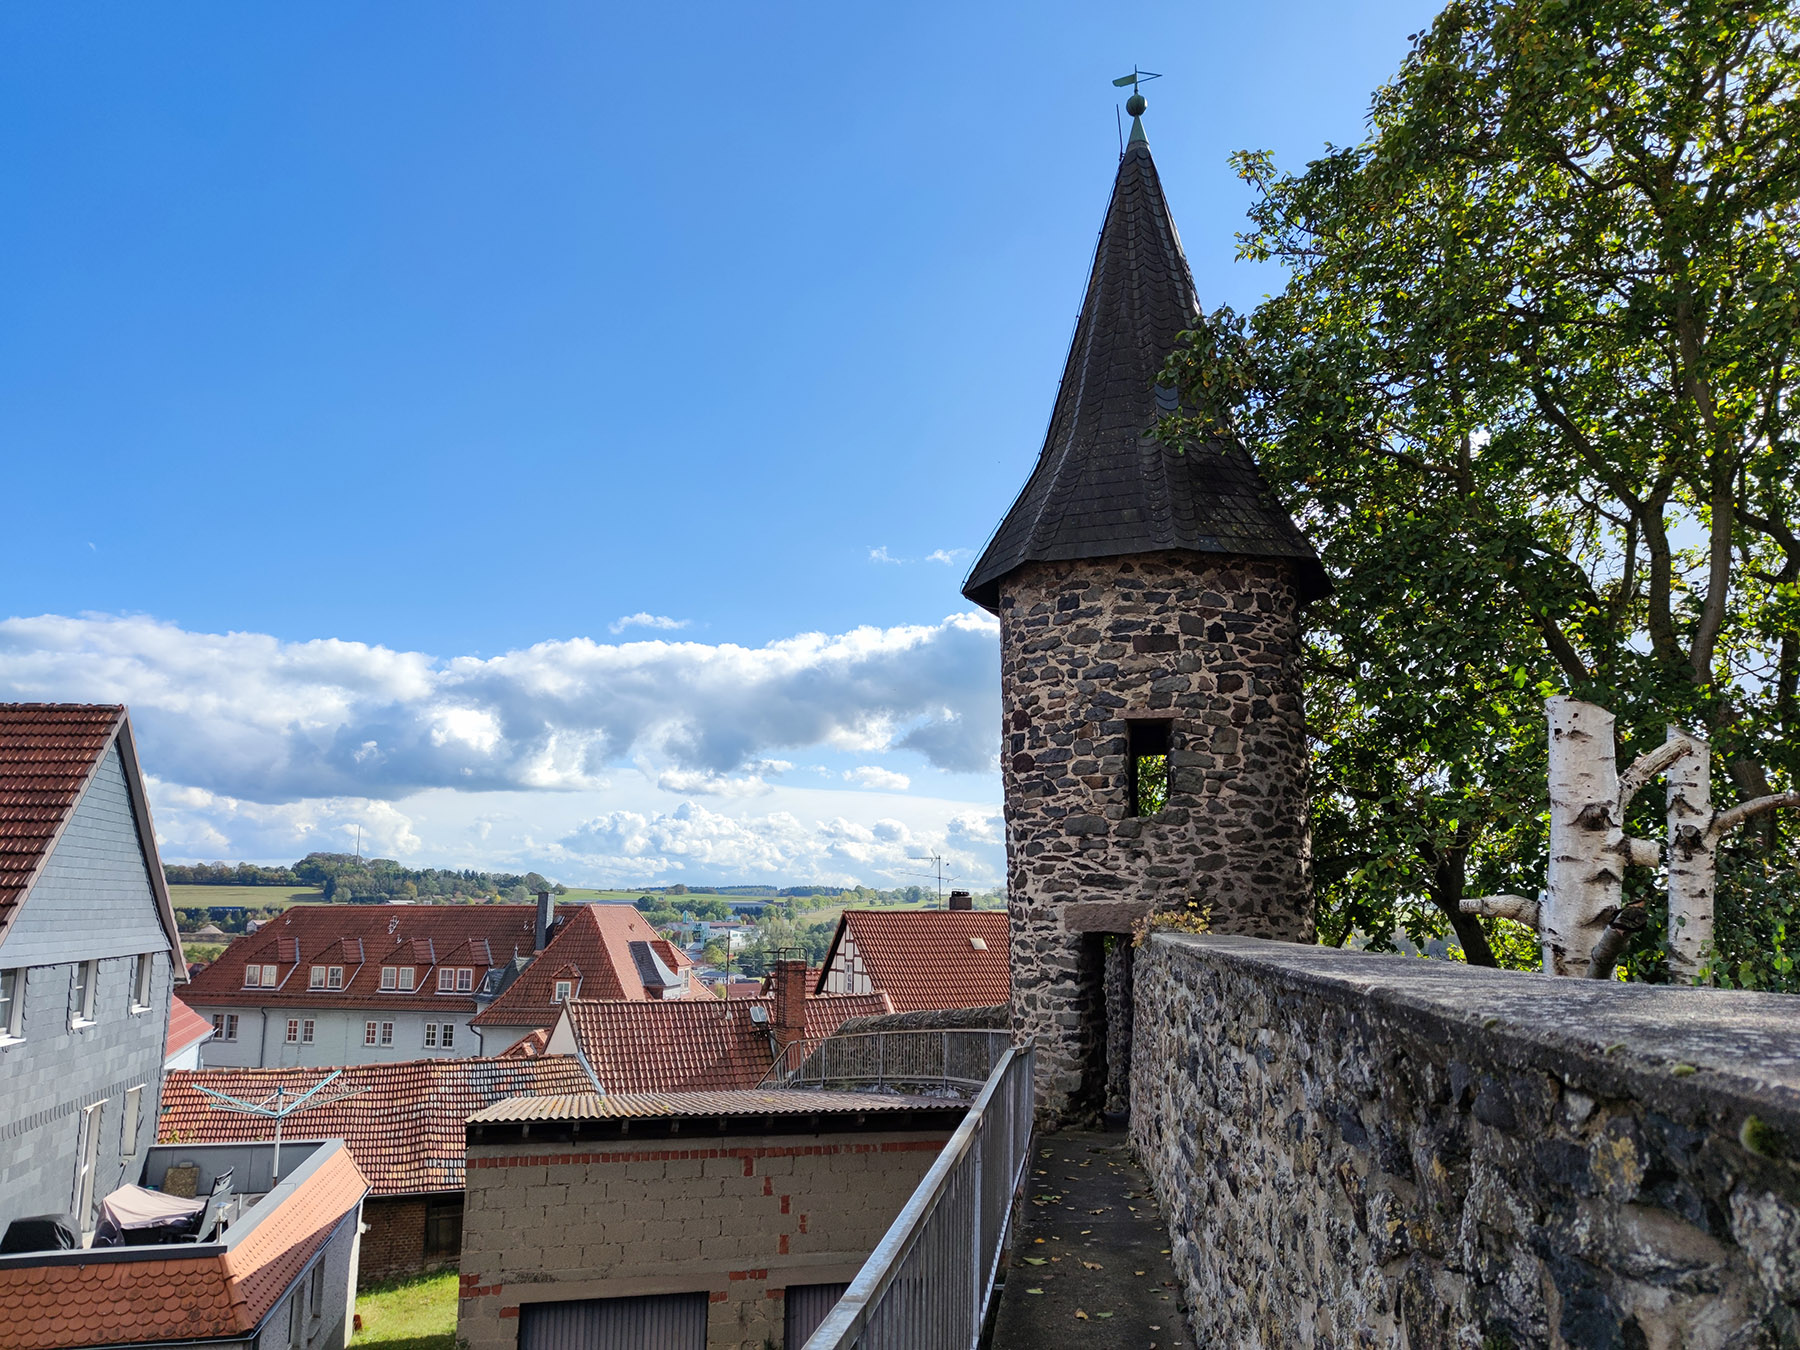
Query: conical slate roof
[1102,488]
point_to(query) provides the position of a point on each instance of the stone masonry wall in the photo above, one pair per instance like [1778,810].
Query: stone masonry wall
[1211,643]
[739,1217]
[1361,1150]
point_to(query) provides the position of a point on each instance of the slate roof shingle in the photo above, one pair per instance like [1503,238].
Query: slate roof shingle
[925,959]
[1101,488]
[694,1045]
[404,1127]
[48,752]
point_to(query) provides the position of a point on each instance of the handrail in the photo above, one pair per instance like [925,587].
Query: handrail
[863,1057]
[955,1180]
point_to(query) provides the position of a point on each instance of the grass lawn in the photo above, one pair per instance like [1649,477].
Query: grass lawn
[281,896]
[417,1314]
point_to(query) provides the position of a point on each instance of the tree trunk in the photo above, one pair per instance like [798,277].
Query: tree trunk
[1691,861]
[1587,860]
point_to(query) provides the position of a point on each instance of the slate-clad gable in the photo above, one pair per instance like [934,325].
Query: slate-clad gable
[1101,487]
[93,897]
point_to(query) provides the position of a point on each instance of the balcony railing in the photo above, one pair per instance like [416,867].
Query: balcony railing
[952,1062]
[927,1285]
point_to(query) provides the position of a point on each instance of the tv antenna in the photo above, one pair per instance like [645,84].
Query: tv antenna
[277,1106]
[937,859]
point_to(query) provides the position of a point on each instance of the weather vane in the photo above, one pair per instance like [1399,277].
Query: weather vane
[1136,104]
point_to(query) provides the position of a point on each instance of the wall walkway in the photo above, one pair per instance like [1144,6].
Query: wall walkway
[1361,1150]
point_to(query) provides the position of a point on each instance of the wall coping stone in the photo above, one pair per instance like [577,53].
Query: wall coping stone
[1606,1037]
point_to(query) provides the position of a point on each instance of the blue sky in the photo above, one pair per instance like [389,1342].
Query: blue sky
[368,367]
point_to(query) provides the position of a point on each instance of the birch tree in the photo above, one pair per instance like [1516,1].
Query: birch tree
[1528,384]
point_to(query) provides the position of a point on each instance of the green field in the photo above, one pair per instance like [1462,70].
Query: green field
[263,896]
[418,1314]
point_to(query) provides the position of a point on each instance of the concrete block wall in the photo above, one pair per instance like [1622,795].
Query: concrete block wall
[54,1073]
[1361,1150]
[738,1217]
[1210,644]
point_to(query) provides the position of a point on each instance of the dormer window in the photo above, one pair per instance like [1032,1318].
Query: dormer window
[446,981]
[407,976]
[315,978]
[334,977]
[390,977]
[269,980]
[465,979]
[252,977]
[564,988]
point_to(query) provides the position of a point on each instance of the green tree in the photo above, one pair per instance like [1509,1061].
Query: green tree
[1529,384]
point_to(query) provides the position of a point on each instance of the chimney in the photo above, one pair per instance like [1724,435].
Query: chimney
[961,900]
[790,1003]
[542,936]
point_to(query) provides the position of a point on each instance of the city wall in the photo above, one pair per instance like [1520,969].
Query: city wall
[1363,1150]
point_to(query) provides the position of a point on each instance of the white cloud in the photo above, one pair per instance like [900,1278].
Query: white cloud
[950,557]
[254,718]
[872,776]
[644,619]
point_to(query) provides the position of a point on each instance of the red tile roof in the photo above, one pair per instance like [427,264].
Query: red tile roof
[927,958]
[694,1045]
[404,1126]
[592,951]
[362,939]
[53,1307]
[186,1027]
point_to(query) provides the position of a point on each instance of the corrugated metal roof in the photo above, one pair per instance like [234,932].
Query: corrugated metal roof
[657,1105]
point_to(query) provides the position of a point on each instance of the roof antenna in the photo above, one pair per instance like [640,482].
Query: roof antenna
[1136,104]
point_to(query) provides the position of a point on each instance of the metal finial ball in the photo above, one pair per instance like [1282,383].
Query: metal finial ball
[1135,105]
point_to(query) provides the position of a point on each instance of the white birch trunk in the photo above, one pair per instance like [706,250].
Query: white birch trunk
[1587,858]
[1692,845]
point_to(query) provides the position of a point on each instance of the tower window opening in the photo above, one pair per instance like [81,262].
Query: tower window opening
[1148,755]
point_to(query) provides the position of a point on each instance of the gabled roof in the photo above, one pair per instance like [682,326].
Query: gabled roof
[928,958]
[186,1028]
[693,1045]
[49,754]
[594,945]
[404,1126]
[362,939]
[1101,488]
[55,1306]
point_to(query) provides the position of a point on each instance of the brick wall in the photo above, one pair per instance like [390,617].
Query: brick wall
[1361,1150]
[740,1217]
[1212,645]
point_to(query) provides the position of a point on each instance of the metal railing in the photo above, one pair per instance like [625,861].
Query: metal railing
[955,1062]
[926,1285]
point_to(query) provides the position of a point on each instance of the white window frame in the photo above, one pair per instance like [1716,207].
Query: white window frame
[334,977]
[431,1035]
[390,978]
[408,979]
[368,1033]
[12,1006]
[387,1033]
[446,980]
[562,991]
[87,1164]
[271,977]
[143,979]
[130,1120]
[82,994]
[465,979]
[315,978]
[308,1026]
[225,1026]
[253,977]
[447,1037]
[293,1031]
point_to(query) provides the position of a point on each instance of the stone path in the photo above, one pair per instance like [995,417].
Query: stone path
[1090,1264]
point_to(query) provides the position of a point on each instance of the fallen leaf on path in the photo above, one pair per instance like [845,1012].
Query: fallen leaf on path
[1093,1265]
[1034,1260]
[1034,1291]
[1080,1315]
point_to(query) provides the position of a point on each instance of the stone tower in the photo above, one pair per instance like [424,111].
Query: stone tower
[1154,745]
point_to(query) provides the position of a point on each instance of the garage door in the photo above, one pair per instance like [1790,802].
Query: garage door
[658,1322]
[807,1306]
